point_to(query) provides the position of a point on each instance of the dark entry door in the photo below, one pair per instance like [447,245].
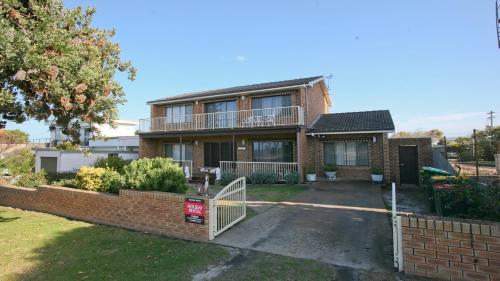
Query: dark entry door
[408,164]
[49,164]
[218,151]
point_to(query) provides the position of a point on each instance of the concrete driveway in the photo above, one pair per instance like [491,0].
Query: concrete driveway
[342,223]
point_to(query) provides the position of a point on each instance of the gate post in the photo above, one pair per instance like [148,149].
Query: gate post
[212,219]
[397,235]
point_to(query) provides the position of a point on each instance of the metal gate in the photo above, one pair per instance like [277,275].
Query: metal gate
[397,235]
[227,208]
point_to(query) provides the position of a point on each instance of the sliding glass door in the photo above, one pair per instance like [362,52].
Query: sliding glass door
[218,151]
[221,114]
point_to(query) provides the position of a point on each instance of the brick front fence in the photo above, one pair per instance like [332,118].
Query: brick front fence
[451,249]
[154,212]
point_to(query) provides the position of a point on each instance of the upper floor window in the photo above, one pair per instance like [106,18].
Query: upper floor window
[221,119]
[272,102]
[179,113]
[221,106]
[348,153]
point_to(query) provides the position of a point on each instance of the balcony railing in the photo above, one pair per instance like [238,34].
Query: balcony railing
[246,169]
[255,118]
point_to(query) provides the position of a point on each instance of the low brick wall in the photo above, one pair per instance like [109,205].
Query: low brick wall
[451,249]
[153,212]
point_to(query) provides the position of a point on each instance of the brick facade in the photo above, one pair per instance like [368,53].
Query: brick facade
[451,249]
[154,212]
[377,154]
[424,154]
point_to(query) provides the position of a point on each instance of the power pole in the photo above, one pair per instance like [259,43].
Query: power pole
[491,117]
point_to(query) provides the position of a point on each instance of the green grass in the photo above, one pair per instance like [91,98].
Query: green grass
[260,266]
[37,246]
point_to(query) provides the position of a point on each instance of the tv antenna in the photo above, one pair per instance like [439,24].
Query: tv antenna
[491,117]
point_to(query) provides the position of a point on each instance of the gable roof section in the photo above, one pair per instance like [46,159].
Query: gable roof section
[363,121]
[240,89]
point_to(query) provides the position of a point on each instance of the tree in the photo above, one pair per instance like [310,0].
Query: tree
[435,134]
[13,137]
[55,65]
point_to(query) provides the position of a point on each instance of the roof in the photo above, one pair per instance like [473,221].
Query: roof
[239,89]
[363,121]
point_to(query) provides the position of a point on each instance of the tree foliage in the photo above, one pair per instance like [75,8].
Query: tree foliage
[55,65]
[13,136]
[435,134]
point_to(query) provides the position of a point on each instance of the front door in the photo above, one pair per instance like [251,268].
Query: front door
[49,164]
[218,151]
[408,164]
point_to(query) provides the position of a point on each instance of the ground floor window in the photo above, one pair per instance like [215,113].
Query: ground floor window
[272,151]
[346,153]
[178,151]
[214,152]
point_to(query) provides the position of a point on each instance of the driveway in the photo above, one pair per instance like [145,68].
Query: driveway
[341,223]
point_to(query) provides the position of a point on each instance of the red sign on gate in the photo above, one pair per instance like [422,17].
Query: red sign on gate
[194,210]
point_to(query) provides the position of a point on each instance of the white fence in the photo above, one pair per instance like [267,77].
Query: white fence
[246,169]
[255,118]
[227,208]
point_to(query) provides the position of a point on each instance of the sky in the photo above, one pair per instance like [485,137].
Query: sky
[433,64]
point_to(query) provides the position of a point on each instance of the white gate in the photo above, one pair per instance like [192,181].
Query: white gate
[397,235]
[227,208]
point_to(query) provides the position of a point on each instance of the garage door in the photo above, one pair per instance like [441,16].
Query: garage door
[49,164]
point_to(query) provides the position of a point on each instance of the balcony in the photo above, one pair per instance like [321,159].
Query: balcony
[255,118]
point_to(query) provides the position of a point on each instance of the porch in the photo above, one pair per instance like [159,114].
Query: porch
[246,169]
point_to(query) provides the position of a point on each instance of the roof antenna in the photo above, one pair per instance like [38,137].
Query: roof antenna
[329,77]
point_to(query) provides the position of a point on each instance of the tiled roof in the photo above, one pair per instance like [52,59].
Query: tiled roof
[237,89]
[379,120]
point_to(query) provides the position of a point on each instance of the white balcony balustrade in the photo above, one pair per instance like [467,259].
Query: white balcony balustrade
[255,118]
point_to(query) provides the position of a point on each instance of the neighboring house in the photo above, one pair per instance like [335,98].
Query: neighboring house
[270,127]
[119,141]
[122,128]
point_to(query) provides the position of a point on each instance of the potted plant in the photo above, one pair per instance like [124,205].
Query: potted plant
[310,173]
[377,174]
[330,171]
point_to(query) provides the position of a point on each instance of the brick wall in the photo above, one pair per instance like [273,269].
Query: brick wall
[154,212]
[424,151]
[451,249]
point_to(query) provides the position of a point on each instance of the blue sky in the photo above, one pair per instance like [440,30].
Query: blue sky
[433,64]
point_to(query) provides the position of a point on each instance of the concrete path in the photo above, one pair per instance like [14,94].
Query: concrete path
[341,223]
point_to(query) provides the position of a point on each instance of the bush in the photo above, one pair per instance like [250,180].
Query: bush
[58,177]
[97,179]
[73,183]
[292,178]
[227,178]
[69,146]
[115,163]
[32,180]
[22,162]
[159,174]
[309,169]
[264,178]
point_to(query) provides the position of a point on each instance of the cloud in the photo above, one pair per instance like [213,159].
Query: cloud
[240,58]
[454,124]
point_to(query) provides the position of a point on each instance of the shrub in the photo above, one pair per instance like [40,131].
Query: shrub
[159,174]
[32,180]
[97,179]
[292,178]
[264,178]
[22,162]
[73,183]
[67,145]
[227,178]
[58,177]
[377,171]
[115,163]
[329,168]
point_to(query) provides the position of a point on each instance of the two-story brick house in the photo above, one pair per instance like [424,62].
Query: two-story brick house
[274,127]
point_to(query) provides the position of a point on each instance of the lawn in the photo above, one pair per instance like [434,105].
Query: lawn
[268,192]
[38,246]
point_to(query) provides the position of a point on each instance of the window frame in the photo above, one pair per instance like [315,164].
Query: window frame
[257,155]
[181,118]
[349,146]
[182,152]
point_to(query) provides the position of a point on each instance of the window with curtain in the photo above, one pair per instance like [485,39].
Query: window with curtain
[272,151]
[179,113]
[179,151]
[349,153]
